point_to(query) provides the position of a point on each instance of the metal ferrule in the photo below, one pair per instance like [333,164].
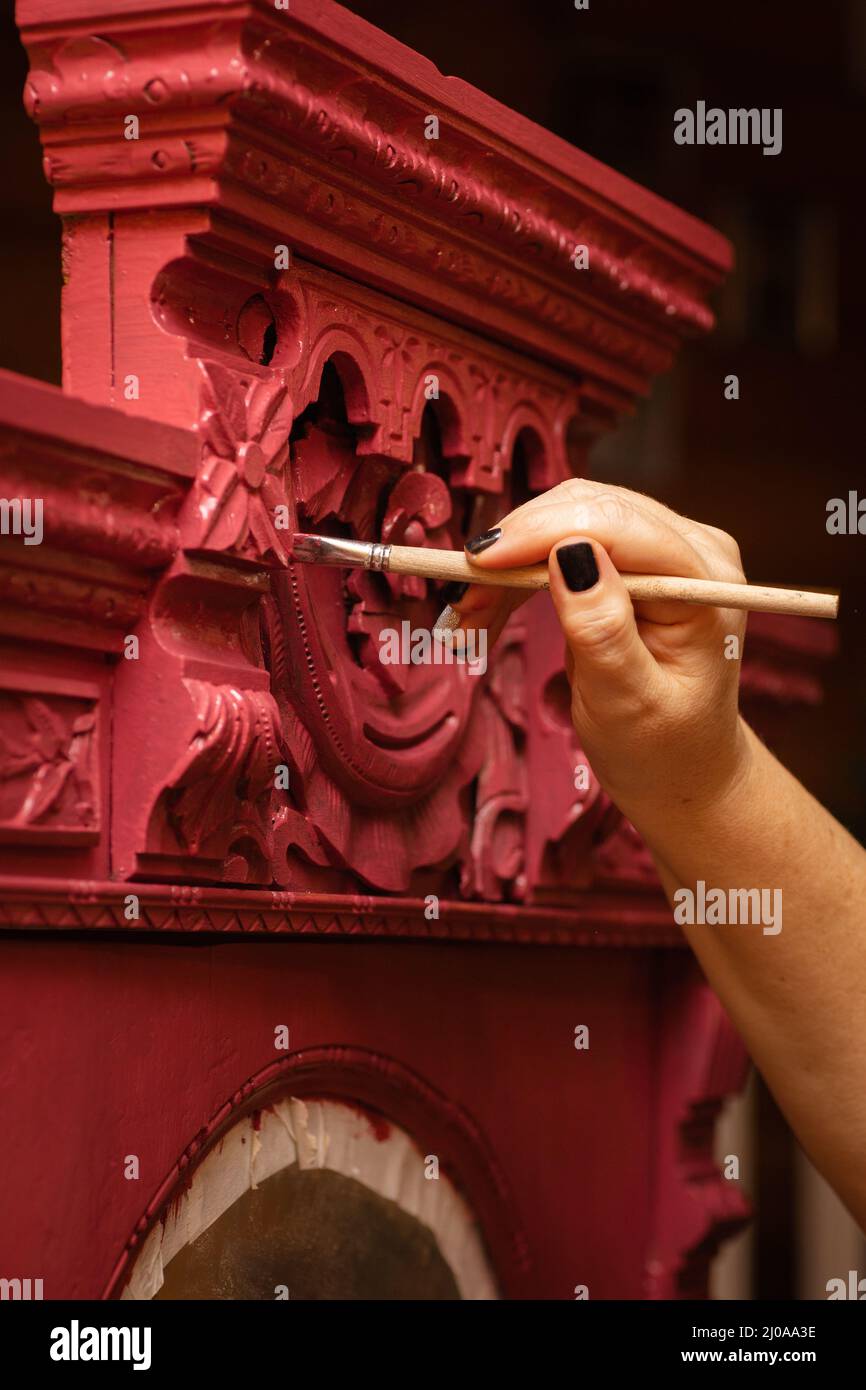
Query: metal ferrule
[379,557]
[333,550]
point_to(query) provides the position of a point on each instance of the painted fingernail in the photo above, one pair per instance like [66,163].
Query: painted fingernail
[445,624]
[577,563]
[484,541]
[454,591]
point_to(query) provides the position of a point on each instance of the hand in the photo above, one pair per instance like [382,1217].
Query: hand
[654,697]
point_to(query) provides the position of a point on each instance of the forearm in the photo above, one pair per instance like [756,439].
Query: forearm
[654,705]
[797,995]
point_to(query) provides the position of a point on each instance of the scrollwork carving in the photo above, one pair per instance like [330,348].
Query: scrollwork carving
[219,800]
[391,763]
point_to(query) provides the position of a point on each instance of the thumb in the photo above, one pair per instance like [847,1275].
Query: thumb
[611,665]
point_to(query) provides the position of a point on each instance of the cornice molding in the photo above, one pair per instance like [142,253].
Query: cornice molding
[110,488]
[309,126]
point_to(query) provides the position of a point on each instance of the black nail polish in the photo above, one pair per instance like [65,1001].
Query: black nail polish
[484,541]
[453,591]
[578,566]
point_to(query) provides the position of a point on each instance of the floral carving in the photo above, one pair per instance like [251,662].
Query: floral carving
[245,423]
[495,867]
[46,781]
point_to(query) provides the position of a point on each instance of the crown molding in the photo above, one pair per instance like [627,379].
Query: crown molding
[307,127]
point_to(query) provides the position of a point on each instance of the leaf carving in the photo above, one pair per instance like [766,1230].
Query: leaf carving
[230,761]
[51,734]
[44,791]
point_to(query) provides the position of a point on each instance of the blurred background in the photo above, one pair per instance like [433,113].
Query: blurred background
[790,325]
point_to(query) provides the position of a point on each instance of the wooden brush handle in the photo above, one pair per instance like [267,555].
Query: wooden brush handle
[453,564]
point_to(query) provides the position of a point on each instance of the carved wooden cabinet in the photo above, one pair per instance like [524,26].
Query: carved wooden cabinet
[311,284]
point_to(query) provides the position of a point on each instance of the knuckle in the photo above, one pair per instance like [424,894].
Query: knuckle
[616,511]
[728,550]
[530,522]
[576,489]
[603,630]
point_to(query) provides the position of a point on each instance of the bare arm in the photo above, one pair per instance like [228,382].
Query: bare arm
[798,997]
[654,702]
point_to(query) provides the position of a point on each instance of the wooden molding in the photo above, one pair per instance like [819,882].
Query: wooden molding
[308,127]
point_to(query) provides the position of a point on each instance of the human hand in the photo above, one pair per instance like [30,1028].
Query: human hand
[654,697]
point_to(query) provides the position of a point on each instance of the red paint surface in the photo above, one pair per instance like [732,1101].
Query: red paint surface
[143,1036]
[118,1051]
[379,1126]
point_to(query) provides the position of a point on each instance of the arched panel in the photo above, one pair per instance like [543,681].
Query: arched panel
[403,1164]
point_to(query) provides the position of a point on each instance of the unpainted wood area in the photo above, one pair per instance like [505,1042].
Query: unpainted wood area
[318,1234]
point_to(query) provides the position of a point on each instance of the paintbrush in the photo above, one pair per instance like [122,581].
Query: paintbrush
[643,588]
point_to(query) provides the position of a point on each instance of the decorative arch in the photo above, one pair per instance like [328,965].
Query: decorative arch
[451,409]
[528,424]
[386,1094]
[354,365]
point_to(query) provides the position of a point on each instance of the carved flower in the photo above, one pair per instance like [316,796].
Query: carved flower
[245,423]
[57,757]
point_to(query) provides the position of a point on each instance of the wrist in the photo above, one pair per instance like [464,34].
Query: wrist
[703,810]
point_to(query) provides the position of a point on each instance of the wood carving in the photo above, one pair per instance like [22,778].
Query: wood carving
[48,785]
[241,485]
[381,427]
[284,308]
[218,802]
[697,1207]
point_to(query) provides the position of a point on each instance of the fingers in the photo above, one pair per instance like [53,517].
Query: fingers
[610,667]
[637,533]
[482,606]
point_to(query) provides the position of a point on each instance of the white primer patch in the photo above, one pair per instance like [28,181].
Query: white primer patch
[317,1134]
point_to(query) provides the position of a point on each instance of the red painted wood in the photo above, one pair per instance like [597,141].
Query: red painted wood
[304,388]
[260,127]
[133,1050]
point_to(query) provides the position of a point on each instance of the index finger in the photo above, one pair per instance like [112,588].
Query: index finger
[637,537]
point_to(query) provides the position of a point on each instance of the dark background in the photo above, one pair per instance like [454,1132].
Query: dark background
[790,319]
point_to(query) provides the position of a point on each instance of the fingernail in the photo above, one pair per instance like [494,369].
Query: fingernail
[448,619]
[577,563]
[453,591]
[484,541]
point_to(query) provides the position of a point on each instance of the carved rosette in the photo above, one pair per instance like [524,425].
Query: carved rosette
[241,486]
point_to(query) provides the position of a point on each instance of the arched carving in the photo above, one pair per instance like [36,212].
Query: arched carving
[353,363]
[382,429]
[390,1093]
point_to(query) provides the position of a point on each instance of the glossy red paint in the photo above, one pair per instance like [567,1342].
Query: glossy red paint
[166,905]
